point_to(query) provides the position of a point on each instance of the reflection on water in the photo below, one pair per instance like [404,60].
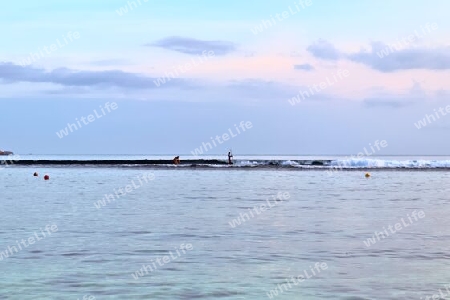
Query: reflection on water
[326,219]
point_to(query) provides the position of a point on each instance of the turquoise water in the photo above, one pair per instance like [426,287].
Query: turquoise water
[326,219]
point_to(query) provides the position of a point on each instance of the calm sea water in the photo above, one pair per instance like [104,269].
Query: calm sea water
[326,219]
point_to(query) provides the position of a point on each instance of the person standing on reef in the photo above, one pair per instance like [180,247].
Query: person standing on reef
[230,157]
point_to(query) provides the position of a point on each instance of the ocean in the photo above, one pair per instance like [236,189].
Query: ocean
[268,227]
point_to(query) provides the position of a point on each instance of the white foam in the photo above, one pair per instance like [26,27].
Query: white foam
[381,163]
[247,163]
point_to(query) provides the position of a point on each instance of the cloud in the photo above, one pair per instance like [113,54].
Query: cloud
[305,67]
[324,50]
[392,103]
[11,73]
[69,91]
[194,46]
[112,83]
[386,58]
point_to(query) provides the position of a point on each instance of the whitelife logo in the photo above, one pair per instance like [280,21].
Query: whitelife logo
[87,120]
[398,226]
[108,198]
[50,49]
[130,5]
[243,217]
[87,297]
[431,118]
[284,287]
[339,76]
[205,147]
[344,163]
[161,261]
[49,229]
[406,41]
[12,159]
[168,76]
[265,24]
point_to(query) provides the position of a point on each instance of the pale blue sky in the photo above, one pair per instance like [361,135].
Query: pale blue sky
[251,77]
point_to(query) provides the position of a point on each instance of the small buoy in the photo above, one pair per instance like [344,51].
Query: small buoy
[46,177]
[35,174]
[367,175]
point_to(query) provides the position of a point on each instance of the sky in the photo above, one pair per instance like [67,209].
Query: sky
[313,77]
